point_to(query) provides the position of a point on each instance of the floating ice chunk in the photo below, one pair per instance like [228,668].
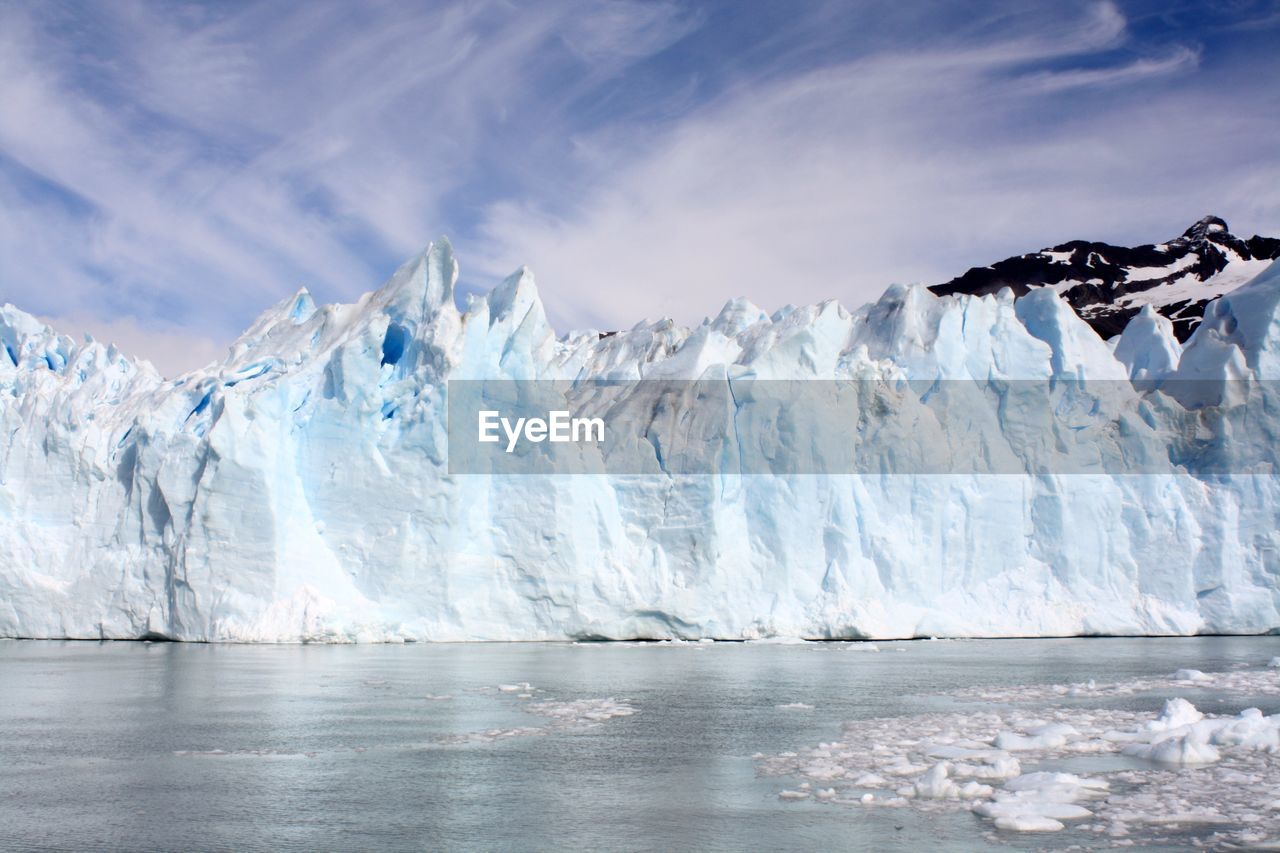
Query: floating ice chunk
[1178,737]
[1039,802]
[1181,751]
[1057,787]
[973,790]
[824,771]
[493,735]
[1079,689]
[1275,662]
[796,706]
[936,784]
[1250,730]
[1178,712]
[1002,766]
[951,750]
[1039,737]
[1258,682]
[522,687]
[564,716]
[1028,823]
[793,795]
[900,765]
[581,710]
[1191,675]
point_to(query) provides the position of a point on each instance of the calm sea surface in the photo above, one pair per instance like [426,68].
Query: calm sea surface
[192,747]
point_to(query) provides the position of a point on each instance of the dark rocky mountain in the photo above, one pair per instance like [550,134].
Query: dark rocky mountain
[1108,284]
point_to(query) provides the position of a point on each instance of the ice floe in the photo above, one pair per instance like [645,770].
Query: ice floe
[582,711]
[1038,802]
[1254,681]
[562,715]
[1027,764]
[522,687]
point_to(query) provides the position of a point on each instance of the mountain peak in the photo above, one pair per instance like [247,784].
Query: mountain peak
[1204,227]
[1108,285]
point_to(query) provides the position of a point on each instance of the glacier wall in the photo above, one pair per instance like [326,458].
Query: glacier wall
[300,490]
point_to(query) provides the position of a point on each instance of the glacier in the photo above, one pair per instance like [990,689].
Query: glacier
[300,489]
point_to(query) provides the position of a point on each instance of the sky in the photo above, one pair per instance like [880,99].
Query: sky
[168,170]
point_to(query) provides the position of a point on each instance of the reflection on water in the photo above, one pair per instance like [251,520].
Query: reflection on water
[136,745]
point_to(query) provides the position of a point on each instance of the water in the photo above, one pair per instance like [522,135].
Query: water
[338,747]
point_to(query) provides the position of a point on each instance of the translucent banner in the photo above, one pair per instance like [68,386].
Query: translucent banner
[752,426]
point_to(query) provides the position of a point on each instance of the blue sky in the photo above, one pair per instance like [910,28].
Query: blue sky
[168,170]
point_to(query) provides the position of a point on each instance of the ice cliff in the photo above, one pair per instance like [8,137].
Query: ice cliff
[300,489]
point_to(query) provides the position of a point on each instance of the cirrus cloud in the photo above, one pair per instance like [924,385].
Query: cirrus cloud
[169,169]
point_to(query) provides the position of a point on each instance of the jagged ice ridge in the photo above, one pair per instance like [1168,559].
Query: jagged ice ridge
[299,490]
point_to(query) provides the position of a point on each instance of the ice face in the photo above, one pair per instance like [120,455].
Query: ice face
[1148,348]
[299,489]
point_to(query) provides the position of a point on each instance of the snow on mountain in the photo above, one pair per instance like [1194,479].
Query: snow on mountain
[1108,285]
[300,489]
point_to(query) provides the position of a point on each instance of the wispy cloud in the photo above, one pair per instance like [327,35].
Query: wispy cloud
[1178,59]
[908,165]
[177,167]
[186,165]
